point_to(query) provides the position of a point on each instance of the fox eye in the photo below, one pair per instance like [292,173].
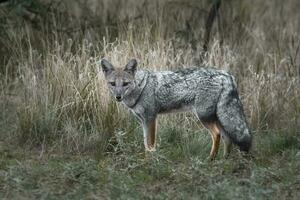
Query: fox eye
[125,84]
[112,83]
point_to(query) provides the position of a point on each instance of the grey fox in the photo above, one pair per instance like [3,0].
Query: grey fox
[210,93]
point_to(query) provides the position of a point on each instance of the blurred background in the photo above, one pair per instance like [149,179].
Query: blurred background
[54,100]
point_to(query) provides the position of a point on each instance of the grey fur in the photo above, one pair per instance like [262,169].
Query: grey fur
[210,93]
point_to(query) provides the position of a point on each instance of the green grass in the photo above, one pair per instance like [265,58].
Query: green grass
[179,169]
[130,174]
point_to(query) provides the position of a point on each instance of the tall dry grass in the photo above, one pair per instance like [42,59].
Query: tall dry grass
[62,101]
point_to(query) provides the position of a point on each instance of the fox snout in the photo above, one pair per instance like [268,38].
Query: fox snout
[119,97]
[118,93]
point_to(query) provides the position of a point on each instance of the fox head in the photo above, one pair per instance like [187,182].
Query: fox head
[120,81]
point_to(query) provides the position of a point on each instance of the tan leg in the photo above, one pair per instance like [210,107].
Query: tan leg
[215,136]
[150,135]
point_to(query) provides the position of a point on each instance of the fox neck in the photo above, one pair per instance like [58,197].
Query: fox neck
[131,99]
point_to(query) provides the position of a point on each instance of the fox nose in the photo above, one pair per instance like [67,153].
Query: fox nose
[118,98]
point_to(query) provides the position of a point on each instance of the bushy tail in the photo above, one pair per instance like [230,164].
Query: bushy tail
[232,118]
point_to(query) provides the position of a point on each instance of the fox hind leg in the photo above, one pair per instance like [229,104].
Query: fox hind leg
[215,136]
[226,141]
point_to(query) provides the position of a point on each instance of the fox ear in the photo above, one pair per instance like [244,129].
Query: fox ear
[106,67]
[131,66]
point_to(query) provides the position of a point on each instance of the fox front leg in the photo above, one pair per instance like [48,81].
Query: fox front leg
[148,123]
[149,132]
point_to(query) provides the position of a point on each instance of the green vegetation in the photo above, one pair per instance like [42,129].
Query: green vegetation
[62,137]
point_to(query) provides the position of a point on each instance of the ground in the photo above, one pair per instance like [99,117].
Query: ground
[178,170]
